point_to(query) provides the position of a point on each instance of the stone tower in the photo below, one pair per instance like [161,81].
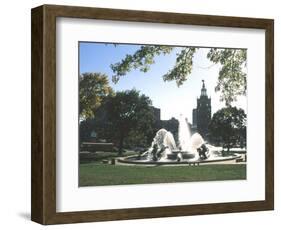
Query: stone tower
[202,114]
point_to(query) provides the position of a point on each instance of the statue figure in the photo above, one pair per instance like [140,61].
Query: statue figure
[157,152]
[154,152]
[162,144]
[203,151]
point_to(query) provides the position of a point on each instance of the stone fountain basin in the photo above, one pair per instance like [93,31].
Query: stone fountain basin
[185,155]
[135,160]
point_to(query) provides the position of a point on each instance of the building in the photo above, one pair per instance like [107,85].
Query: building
[201,116]
[194,118]
[170,125]
[157,116]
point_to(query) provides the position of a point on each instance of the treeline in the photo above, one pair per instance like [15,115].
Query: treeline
[125,117]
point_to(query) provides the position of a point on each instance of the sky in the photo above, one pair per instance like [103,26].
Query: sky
[171,99]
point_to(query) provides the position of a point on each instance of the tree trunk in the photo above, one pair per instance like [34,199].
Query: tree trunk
[228,146]
[120,150]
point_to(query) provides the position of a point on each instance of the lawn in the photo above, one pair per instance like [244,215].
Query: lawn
[94,174]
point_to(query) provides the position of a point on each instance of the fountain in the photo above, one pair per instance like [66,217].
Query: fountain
[190,149]
[162,145]
[184,134]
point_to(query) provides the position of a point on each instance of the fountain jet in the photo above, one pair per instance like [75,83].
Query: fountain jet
[184,134]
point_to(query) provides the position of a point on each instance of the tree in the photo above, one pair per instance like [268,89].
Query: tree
[231,79]
[129,111]
[98,124]
[93,88]
[228,126]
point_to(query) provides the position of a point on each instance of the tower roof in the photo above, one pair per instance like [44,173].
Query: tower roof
[203,90]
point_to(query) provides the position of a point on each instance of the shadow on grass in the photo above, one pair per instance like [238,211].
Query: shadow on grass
[98,157]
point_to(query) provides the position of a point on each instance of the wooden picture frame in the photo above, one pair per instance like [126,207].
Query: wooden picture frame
[43,207]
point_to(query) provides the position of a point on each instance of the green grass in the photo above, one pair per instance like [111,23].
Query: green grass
[94,174]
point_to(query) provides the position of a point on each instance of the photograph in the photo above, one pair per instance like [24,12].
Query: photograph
[161,113]
[139,114]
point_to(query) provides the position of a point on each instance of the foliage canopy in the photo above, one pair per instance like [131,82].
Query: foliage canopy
[228,125]
[93,88]
[231,80]
[129,112]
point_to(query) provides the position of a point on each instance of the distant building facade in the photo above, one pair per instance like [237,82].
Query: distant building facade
[201,115]
[170,125]
[157,113]
[194,117]
[157,116]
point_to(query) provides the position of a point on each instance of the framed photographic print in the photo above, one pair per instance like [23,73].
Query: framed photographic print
[140,114]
